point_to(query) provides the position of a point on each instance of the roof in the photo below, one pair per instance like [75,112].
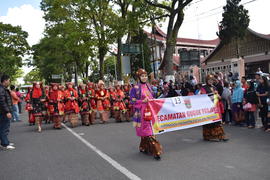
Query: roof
[161,36]
[220,45]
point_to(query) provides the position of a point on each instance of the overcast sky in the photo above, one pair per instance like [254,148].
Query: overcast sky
[201,17]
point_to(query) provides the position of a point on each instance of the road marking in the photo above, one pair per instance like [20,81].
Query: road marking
[230,167]
[115,164]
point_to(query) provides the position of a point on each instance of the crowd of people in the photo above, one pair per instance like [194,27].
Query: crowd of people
[238,102]
[243,100]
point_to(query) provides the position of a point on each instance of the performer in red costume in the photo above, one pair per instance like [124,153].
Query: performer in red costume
[47,117]
[29,108]
[92,101]
[103,101]
[84,104]
[128,105]
[56,105]
[62,90]
[71,105]
[37,99]
[112,98]
[118,105]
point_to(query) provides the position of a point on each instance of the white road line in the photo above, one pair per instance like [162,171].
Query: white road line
[115,164]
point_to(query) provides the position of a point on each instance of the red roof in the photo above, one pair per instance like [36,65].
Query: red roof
[198,41]
[162,37]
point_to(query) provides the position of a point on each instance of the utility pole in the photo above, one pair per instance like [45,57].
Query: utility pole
[153,44]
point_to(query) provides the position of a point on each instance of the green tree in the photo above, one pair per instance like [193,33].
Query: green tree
[109,67]
[13,47]
[235,21]
[100,16]
[132,16]
[50,57]
[33,75]
[138,60]
[175,10]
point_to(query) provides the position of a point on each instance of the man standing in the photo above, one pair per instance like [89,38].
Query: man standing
[5,112]
[15,101]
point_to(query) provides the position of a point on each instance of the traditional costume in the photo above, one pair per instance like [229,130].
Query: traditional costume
[56,105]
[103,102]
[84,105]
[47,117]
[112,97]
[128,106]
[29,108]
[37,99]
[71,105]
[92,100]
[213,131]
[118,104]
[139,95]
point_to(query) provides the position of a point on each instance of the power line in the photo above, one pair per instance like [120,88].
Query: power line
[205,12]
[196,2]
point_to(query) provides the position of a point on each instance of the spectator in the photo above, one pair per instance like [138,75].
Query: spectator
[172,92]
[251,100]
[218,85]
[227,102]
[198,89]
[5,112]
[20,100]
[15,101]
[257,80]
[259,71]
[244,83]
[237,100]
[262,93]
[193,81]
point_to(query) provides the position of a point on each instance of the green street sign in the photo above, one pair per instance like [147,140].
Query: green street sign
[131,49]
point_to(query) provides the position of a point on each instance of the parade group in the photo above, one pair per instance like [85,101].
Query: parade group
[125,102]
[60,104]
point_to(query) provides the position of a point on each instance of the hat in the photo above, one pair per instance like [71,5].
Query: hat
[54,84]
[82,85]
[141,72]
[100,82]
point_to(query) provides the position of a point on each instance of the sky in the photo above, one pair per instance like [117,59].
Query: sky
[201,18]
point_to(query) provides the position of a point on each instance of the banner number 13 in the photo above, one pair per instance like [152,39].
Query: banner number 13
[177,100]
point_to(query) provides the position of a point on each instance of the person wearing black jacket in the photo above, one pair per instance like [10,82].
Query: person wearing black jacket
[5,112]
[251,97]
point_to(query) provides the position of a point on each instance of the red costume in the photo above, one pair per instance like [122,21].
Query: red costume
[127,102]
[71,105]
[29,108]
[103,101]
[118,105]
[56,105]
[84,105]
[92,101]
[37,99]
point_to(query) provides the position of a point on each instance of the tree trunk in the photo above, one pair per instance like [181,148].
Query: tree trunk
[119,64]
[102,53]
[172,32]
[86,69]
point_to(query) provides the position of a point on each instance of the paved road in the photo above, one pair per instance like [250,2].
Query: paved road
[58,154]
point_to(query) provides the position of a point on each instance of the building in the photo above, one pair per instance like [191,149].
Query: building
[188,55]
[242,57]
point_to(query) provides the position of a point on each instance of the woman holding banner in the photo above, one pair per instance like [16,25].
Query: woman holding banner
[140,94]
[214,131]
